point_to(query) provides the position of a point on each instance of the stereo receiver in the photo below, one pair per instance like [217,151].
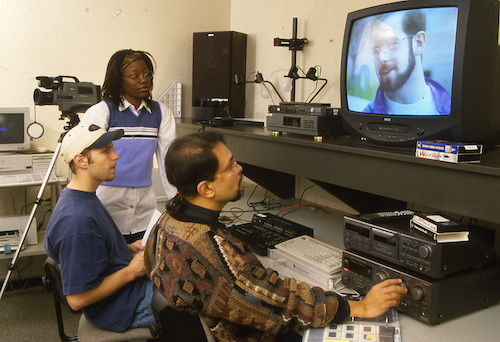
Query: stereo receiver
[393,240]
[430,301]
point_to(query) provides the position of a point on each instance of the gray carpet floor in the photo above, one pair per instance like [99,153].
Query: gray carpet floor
[29,315]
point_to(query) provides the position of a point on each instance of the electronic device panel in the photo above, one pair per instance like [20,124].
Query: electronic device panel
[305,124]
[393,240]
[315,119]
[430,301]
[267,230]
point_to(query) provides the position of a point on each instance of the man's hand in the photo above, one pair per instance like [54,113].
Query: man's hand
[379,299]
[136,265]
[135,247]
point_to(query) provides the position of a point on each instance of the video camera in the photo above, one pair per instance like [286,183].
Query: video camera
[72,97]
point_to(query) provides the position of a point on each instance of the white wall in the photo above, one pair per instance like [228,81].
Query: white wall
[77,38]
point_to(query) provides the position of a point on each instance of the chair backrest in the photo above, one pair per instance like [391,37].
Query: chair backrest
[53,272]
[178,326]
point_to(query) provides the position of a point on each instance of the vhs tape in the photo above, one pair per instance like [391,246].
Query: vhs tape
[452,152]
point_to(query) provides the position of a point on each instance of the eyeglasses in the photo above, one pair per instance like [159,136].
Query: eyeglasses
[233,165]
[146,75]
[387,49]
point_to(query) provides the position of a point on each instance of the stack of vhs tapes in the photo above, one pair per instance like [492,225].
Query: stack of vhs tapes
[451,152]
[440,227]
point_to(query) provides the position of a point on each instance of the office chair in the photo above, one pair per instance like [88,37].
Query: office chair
[178,326]
[87,332]
[53,272]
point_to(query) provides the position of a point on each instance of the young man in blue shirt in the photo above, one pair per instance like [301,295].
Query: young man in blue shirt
[101,274]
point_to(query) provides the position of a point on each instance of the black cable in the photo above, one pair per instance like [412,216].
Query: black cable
[253,191]
[275,90]
[312,92]
[31,203]
[40,225]
[267,202]
[320,89]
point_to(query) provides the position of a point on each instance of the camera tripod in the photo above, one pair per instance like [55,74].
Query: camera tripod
[73,120]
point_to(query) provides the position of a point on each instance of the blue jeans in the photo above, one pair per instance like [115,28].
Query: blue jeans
[143,313]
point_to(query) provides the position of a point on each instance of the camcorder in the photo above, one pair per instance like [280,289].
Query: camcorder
[71,97]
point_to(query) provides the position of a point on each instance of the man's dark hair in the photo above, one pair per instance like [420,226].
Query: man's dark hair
[112,86]
[189,161]
[414,21]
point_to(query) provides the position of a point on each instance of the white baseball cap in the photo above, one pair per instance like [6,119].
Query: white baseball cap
[86,136]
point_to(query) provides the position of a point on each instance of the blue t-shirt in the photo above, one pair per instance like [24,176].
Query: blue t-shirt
[82,237]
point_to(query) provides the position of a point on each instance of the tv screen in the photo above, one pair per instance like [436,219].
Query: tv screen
[11,128]
[420,69]
[398,61]
[13,124]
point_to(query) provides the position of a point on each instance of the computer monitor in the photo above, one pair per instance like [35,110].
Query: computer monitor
[13,124]
[420,70]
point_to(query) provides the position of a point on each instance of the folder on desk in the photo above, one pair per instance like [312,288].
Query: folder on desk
[382,328]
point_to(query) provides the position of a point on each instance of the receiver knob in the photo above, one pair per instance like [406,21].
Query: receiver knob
[417,293]
[380,276]
[424,251]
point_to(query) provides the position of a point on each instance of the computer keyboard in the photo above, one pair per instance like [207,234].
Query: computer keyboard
[315,253]
[20,179]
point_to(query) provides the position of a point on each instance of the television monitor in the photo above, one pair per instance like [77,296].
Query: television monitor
[421,70]
[13,128]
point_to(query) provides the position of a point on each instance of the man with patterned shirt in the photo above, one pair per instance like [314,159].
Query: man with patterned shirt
[198,267]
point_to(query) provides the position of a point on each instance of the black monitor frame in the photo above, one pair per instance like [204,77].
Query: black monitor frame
[473,114]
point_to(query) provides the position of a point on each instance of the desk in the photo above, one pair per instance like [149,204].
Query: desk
[25,268]
[470,190]
[478,326]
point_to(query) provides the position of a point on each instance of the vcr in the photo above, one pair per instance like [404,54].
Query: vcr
[316,125]
[429,300]
[393,240]
[321,109]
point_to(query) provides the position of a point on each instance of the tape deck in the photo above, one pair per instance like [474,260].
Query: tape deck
[391,238]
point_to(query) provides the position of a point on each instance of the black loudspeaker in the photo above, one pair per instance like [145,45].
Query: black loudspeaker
[219,69]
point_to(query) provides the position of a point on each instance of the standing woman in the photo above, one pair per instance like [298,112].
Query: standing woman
[149,127]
